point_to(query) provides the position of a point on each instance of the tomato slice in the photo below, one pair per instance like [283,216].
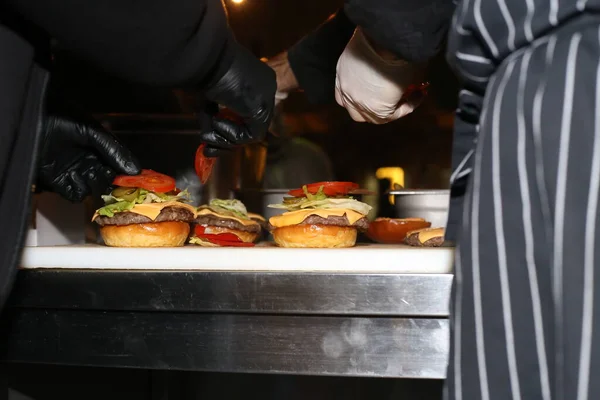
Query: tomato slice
[203,164]
[221,239]
[329,188]
[228,237]
[148,179]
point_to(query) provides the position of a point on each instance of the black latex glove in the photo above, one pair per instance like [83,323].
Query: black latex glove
[248,89]
[78,157]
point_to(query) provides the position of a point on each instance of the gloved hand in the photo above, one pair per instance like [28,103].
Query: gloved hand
[247,89]
[371,87]
[78,157]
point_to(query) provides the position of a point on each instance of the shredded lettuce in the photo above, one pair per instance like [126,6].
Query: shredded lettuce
[120,206]
[229,207]
[151,197]
[313,197]
[114,204]
[327,203]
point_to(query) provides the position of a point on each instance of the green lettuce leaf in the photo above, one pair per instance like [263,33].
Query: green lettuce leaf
[120,206]
[313,197]
[229,207]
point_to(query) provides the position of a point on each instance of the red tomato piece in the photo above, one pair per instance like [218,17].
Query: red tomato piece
[226,113]
[221,239]
[329,188]
[148,179]
[203,164]
[200,231]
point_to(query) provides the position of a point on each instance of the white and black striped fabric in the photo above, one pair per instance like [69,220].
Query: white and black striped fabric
[526,303]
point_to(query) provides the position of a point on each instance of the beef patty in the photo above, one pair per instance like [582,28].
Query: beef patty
[362,224]
[224,222]
[128,218]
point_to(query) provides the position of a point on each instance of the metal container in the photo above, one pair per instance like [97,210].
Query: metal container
[431,205]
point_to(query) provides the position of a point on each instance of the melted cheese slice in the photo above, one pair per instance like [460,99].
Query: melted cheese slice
[427,233]
[297,217]
[206,211]
[256,216]
[151,210]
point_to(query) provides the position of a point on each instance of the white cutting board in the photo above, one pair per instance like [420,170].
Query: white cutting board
[265,257]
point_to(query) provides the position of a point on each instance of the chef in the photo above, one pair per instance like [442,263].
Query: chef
[527,155]
[187,45]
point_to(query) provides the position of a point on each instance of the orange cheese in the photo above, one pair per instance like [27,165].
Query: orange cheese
[151,210]
[426,234]
[430,234]
[296,217]
[206,211]
[256,216]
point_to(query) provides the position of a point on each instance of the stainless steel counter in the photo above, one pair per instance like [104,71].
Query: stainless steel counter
[380,325]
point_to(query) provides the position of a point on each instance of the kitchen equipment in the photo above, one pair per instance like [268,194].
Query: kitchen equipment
[265,257]
[432,205]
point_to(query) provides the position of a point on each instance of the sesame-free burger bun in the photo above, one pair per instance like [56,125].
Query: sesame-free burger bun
[315,236]
[154,234]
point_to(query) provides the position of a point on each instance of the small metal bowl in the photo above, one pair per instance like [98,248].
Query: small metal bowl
[431,205]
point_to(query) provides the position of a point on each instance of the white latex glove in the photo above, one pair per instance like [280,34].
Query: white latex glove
[371,87]
[279,97]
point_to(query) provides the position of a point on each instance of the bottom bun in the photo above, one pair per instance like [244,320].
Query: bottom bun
[154,234]
[315,236]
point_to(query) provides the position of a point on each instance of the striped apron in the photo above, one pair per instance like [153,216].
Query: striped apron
[526,185]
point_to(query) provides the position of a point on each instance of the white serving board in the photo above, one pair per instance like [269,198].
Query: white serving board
[265,257]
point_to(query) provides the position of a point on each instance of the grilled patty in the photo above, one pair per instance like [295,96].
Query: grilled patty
[362,224]
[413,238]
[263,224]
[128,218]
[213,220]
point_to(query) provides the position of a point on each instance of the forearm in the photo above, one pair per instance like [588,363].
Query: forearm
[413,30]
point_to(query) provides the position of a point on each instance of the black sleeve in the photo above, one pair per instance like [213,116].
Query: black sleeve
[314,58]
[413,30]
[176,43]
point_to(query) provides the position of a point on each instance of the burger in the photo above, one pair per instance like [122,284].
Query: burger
[145,210]
[225,223]
[425,237]
[320,215]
